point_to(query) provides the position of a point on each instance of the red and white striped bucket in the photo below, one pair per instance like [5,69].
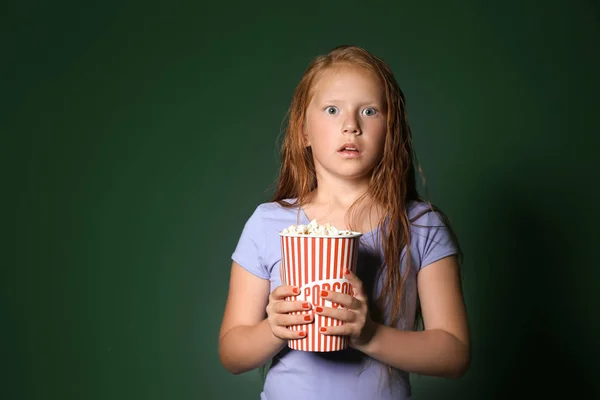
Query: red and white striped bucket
[315,263]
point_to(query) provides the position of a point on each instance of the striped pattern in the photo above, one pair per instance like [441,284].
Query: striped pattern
[314,264]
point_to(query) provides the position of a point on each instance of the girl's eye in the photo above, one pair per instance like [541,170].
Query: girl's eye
[331,110]
[369,112]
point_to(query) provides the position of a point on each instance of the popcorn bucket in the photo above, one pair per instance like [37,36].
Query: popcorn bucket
[314,263]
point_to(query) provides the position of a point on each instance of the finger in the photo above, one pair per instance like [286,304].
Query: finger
[342,330]
[284,307]
[342,299]
[288,334]
[283,291]
[286,320]
[341,314]
[357,285]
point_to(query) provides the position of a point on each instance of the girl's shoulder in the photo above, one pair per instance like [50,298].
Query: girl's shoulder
[431,234]
[424,214]
[275,207]
[278,213]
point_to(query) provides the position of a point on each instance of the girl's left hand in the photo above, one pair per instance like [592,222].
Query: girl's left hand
[358,326]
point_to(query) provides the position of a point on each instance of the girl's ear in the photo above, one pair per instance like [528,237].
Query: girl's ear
[305,138]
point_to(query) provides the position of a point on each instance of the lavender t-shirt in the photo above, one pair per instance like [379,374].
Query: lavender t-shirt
[347,374]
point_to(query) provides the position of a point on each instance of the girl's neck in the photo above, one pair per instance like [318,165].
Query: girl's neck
[331,203]
[338,197]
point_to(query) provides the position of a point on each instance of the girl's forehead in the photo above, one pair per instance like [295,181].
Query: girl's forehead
[338,77]
[344,71]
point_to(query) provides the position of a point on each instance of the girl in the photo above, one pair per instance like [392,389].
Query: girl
[347,159]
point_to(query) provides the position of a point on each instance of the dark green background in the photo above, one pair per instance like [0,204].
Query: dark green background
[138,137]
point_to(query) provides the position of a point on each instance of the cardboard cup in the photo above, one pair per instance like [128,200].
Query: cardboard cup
[314,263]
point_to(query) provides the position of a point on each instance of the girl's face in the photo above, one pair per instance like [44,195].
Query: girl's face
[346,123]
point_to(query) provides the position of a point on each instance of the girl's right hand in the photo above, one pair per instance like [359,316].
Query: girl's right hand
[278,312]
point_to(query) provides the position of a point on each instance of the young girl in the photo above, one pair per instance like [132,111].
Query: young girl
[347,160]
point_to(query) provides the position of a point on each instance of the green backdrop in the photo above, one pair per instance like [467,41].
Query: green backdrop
[138,137]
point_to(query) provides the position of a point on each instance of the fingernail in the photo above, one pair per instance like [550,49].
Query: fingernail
[323,329]
[347,272]
[324,293]
[319,309]
[302,333]
[307,318]
[296,290]
[305,305]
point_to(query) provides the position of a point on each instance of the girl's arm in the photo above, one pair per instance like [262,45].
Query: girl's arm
[443,348]
[245,340]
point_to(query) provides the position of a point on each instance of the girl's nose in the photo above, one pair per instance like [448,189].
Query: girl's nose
[351,127]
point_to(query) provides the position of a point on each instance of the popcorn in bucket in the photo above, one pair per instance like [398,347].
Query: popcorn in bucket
[313,258]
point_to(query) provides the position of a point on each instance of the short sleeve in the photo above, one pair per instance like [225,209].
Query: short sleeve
[434,240]
[249,252]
